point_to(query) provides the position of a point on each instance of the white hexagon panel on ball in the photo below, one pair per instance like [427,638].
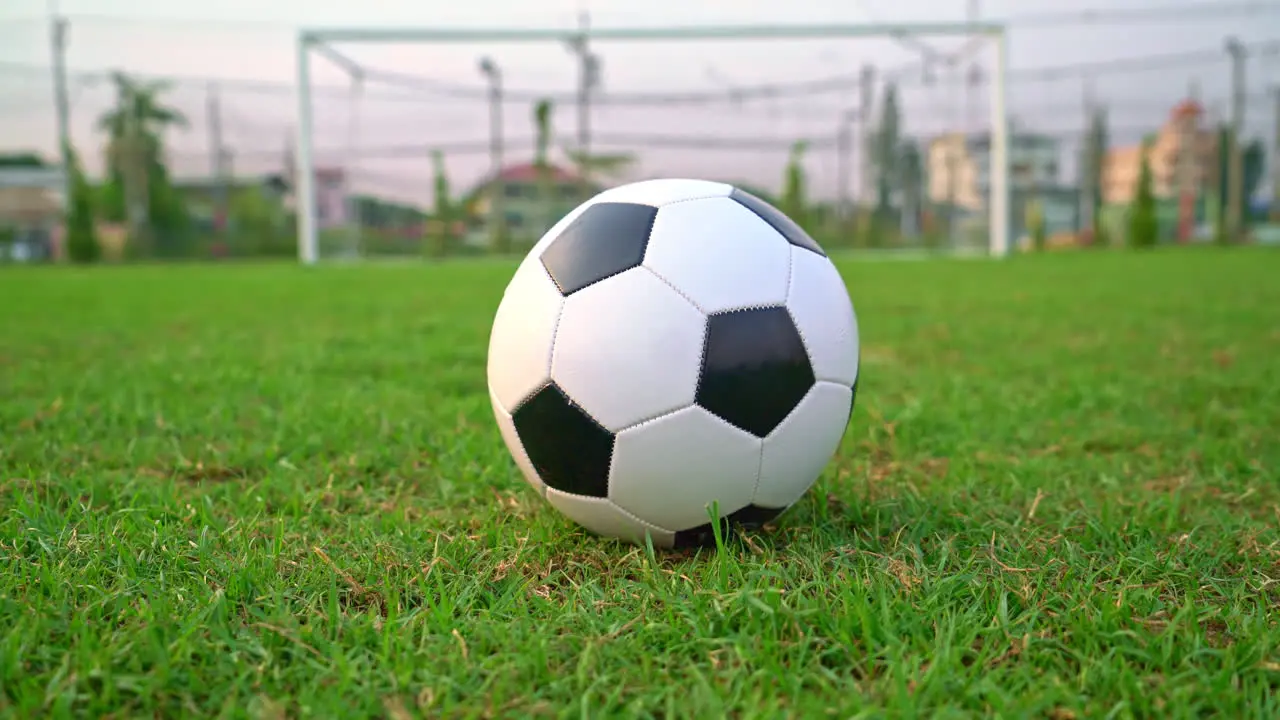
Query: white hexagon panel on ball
[671,346]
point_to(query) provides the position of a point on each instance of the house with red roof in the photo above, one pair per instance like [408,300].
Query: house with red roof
[530,203]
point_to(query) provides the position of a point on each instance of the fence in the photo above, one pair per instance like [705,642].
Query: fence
[707,111]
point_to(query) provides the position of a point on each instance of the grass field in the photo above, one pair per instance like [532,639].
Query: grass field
[271,492]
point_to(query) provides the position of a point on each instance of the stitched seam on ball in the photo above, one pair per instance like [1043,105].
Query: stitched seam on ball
[702,346]
[748,308]
[525,400]
[678,291]
[655,418]
[760,468]
[594,282]
[629,514]
[555,329]
[685,200]
[791,274]
[795,322]
[702,357]
[804,341]
[764,306]
[617,507]
[759,457]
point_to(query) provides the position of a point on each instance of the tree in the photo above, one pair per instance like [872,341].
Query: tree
[82,231]
[22,160]
[793,185]
[911,174]
[259,223]
[1036,225]
[542,117]
[886,145]
[883,152]
[1143,223]
[1253,158]
[590,165]
[1095,153]
[444,215]
[1255,165]
[138,188]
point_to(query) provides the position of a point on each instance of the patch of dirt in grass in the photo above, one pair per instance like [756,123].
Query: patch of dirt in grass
[898,569]
[1216,632]
[42,416]
[1259,503]
[357,597]
[878,355]
[1167,484]
[1109,445]
[200,472]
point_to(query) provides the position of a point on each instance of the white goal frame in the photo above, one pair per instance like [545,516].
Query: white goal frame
[319,40]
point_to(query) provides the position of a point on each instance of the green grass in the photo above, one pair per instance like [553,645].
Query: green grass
[271,492]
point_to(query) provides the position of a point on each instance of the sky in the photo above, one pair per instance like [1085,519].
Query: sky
[386,135]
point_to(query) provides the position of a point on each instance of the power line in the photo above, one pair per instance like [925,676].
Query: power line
[1136,64]
[428,87]
[1170,12]
[648,141]
[818,86]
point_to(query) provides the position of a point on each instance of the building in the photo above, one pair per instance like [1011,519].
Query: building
[32,200]
[1182,130]
[958,167]
[331,193]
[1058,208]
[528,214]
[208,199]
[958,175]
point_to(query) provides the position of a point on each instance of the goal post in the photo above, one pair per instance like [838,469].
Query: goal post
[314,42]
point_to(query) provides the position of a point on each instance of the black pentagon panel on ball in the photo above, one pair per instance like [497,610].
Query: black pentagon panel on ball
[853,396]
[606,239]
[750,517]
[755,369]
[778,219]
[569,449]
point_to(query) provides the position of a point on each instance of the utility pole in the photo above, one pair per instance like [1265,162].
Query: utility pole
[355,223]
[1235,185]
[62,106]
[1275,157]
[497,188]
[588,80]
[1088,173]
[133,168]
[217,158]
[844,142]
[971,16]
[866,100]
[1188,156]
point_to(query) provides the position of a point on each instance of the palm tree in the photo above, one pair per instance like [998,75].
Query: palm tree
[444,215]
[911,178]
[542,112]
[135,126]
[610,165]
[794,190]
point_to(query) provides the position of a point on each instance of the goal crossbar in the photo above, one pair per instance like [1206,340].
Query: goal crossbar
[676,32]
[309,39]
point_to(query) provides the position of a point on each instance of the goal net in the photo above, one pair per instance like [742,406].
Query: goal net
[468,142]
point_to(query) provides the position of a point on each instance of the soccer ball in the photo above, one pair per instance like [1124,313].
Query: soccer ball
[671,346]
